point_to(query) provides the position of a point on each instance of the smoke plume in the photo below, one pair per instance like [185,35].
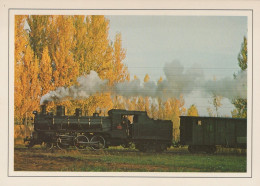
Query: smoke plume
[177,81]
[229,87]
[87,86]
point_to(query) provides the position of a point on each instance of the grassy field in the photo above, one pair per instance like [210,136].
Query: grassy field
[125,160]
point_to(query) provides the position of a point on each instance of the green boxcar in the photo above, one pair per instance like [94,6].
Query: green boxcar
[205,133]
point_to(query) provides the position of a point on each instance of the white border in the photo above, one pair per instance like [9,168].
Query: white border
[133,4]
[247,13]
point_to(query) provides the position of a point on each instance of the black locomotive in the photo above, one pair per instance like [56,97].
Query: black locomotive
[120,127]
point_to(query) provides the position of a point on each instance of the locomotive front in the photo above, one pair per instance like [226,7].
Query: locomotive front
[63,131]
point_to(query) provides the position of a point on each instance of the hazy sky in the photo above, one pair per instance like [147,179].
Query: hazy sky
[211,43]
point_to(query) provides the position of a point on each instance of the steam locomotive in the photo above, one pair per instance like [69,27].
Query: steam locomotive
[120,127]
[123,127]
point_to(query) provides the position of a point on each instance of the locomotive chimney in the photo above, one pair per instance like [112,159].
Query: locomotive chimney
[43,109]
[60,110]
[78,112]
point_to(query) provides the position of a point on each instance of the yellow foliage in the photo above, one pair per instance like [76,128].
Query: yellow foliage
[192,111]
[58,49]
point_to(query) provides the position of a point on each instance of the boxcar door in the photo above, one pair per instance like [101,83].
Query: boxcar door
[209,132]
[230,133]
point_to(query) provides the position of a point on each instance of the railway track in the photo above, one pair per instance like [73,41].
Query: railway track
[173,151]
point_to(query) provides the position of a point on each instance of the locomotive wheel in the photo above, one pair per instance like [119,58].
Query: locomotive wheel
[142,147]
[99,141]
[80,142]
[29,144]
[60,143]
[48,145]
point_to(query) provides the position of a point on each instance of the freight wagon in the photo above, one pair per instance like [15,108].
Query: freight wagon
[205,133]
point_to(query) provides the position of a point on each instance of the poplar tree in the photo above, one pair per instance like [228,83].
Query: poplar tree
[30,84]
[21,41]
[66,69]
[146,99]
[192,111]
[82,42]
[39,33]
[120,71]
[45,72]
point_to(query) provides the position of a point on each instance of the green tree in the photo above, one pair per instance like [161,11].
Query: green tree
[240,104]
[242,56]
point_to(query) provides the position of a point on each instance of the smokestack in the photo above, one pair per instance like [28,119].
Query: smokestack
[60,111]
[78,112]
[43,109]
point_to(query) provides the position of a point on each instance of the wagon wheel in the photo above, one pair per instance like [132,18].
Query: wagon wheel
[142,147]
[191,149]
[80,141]
[160,147]
[211,149]
[127,145]
[99,141]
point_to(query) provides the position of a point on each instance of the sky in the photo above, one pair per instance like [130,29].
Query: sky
[207,44]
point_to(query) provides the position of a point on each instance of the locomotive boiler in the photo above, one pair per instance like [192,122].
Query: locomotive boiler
[120,127]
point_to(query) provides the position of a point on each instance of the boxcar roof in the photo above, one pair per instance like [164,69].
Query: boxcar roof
[205,117]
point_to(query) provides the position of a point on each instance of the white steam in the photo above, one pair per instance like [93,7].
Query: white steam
[229,87]
[178,80]
[87,86]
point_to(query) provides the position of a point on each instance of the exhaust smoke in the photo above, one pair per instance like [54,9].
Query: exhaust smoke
[178,80]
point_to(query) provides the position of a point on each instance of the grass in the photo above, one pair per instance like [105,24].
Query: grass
[121,160]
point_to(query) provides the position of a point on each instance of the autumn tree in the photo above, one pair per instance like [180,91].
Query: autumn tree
[173,109]
[45,72]
[240,103]
[26,84]
[61,48]
[30,89]
[99,50]
[217,103]
[160,103]
[193,111]
[21,41]
[39,33]
[146,99]
[120,71]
